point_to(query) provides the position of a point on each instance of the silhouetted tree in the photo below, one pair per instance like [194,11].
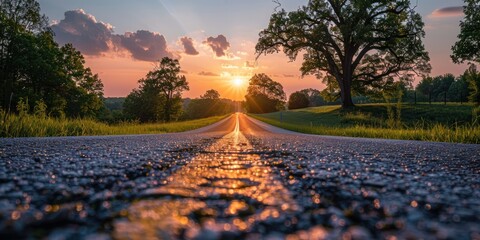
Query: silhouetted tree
[211,94]
[166,79]
[425,86]
[360,43]
[159,95]
[314,97]
[264,95]
[209,104]
[467,48]
[298,100]
[458,91]
[441,84]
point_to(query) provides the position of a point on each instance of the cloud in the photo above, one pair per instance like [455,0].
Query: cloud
[218,44]
[249,65]
[145,45]
[229,66]
[447,12]
[211,74]
[288,75]
[87,34]
[92,37]
[188,46]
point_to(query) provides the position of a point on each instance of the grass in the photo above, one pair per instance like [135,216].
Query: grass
[439,123]
[33,126]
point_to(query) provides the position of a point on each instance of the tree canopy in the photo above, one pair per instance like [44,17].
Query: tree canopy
[209,104]
[467,48]
[363,44]
[159,95]
[34,68]
[314,97]
[473,78]
[298,100]
[264,95]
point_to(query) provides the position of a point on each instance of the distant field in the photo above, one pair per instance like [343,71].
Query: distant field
[444,123]
[32,126]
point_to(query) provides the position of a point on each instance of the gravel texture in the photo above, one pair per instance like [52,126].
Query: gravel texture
[237,180]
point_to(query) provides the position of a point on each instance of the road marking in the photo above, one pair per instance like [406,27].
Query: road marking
[221,190]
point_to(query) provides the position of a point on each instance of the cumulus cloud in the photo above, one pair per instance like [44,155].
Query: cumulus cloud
[447,12]
[218,44]
[146,45]
[93,37]
[210,74]
[87,34]
[188,46]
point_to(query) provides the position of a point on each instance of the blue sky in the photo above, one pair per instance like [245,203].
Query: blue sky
[240,22]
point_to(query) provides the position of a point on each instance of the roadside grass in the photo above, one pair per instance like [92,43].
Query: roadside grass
[439,123]
[27,125]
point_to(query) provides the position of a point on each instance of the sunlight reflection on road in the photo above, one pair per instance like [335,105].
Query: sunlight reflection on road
[224,189]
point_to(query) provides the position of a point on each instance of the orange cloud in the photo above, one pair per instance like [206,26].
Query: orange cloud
[447,12]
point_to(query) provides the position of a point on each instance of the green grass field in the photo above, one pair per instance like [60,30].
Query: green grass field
[33,126]
[442,123]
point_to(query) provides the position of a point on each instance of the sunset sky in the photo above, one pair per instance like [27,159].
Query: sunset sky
[214,40]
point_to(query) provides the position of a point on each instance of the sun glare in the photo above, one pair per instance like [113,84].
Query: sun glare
[237,82]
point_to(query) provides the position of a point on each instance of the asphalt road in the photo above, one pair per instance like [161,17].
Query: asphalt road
[237,179]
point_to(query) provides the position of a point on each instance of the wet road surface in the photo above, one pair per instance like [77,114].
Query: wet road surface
[237,179]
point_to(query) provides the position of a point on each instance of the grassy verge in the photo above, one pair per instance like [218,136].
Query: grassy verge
[439,123]
[33,126]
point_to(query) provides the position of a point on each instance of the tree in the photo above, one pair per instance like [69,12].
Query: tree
[458,91]
[86,98]
[167,80]
[314,97]
[159,95]
[441,84]
[361,43]
[211,94]
[298,100]
[264,95]
[467,48]
[20,22]
[473,78]
[425,86]
[209,105]
[33,67]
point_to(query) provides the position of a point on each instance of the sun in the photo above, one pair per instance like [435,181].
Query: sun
[237,82]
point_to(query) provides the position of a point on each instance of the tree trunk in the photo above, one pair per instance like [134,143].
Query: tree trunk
[166,112]
[346,94]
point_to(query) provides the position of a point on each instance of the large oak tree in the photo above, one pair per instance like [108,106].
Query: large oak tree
[363,44]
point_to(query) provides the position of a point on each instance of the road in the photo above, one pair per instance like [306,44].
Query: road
[237,179]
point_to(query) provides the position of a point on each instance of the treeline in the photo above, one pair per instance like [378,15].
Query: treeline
[207,105]
[265,95]
[448,88]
